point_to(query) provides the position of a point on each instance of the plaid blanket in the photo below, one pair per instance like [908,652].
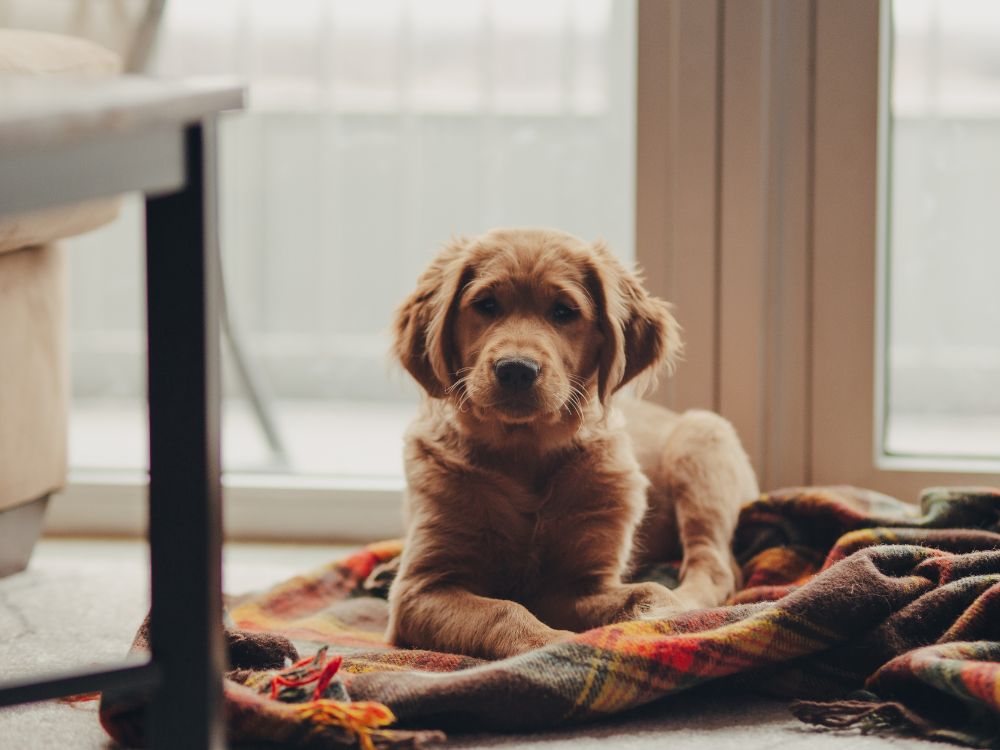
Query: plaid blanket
[868,612]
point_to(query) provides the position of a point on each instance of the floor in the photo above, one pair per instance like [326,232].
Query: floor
[80,601]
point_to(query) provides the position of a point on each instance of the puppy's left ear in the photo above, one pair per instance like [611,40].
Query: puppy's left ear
[652,335]
[641,335]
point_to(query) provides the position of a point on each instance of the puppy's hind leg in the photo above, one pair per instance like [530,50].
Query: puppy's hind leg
[709,477]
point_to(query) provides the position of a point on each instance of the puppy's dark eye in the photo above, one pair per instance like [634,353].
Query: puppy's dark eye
[563,313]
[486,306]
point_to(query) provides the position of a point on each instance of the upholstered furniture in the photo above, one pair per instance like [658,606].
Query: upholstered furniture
[34,382]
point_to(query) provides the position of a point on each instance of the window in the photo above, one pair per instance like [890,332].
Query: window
[867,261]
[802,195]
[942,230]
[375,131]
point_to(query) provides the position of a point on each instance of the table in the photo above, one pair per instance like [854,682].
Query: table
[65,141]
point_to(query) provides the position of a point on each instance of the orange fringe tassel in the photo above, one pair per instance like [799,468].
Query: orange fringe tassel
[361,718]
[81,698]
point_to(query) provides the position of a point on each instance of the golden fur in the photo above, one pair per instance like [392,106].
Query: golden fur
[527,509]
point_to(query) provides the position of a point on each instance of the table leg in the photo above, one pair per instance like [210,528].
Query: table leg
[184,464]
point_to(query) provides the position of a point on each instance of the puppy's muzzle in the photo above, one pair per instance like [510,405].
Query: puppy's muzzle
[516,374]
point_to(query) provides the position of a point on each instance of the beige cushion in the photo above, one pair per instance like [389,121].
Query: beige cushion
[34,388]
[37,53]
[34,382]
[40,227]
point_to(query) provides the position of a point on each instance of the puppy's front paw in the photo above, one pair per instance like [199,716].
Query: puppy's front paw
[663,613]
[648,601]
[531,641]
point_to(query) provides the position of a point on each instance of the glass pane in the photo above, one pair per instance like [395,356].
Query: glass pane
[376,130]
[943,230]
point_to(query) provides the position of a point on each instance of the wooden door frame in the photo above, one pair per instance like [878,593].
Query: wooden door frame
[757,215]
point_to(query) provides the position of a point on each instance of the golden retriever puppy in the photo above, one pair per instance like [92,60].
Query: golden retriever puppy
[532,492]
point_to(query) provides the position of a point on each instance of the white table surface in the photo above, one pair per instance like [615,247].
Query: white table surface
[37,110]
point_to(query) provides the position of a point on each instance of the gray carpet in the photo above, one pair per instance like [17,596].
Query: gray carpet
[80,602]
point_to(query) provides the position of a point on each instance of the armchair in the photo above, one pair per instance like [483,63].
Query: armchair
[34,381]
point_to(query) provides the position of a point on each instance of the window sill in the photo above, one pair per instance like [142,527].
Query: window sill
[255,507]
[938,464]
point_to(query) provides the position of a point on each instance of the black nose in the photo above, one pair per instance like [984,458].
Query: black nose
[516,373]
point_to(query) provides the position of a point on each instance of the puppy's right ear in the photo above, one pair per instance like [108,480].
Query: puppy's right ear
[423,327]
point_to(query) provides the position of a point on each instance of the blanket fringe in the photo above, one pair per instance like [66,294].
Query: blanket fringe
[363,719]
[80,698]
[866,715]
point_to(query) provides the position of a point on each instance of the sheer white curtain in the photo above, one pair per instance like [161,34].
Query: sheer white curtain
[471,56]
[376,130]
[379,129]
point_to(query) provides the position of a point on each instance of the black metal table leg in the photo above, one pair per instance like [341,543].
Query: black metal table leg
[184,472]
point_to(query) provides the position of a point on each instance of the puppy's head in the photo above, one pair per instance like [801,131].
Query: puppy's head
[529,327]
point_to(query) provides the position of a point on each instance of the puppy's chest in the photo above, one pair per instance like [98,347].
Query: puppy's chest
[530,542]
[521,548]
